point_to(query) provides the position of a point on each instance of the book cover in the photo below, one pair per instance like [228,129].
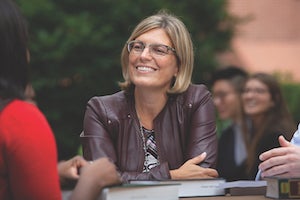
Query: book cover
[287,188]
[138,191]
[196,187]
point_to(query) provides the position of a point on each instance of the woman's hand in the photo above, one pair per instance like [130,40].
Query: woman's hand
[191,170]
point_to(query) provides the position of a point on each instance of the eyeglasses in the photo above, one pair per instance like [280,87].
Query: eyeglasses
[255,90]
[137,47]
[221,95]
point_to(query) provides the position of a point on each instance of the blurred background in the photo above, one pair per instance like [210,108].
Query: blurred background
[75,48]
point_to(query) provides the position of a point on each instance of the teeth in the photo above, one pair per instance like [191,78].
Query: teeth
[146,69]
[251,103]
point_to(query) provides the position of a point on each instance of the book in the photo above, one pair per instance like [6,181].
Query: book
[195,187]
[141,191]
[245,187]
[287,188]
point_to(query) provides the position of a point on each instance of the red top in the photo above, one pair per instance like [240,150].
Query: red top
[28,157]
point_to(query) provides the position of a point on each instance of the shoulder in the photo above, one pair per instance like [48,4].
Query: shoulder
[197,89]
[112,100]
[21,111]
[196,93]
[23,121]
[110,105]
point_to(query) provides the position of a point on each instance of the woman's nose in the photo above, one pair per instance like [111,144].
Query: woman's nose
[146,53]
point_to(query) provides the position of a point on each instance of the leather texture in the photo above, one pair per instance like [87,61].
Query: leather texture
[184,129]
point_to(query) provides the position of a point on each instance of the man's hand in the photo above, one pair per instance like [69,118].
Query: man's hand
[283,161]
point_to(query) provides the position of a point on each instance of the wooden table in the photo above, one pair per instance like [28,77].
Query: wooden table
[254,197]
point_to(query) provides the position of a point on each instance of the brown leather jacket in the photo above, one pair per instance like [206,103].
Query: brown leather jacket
[184,129]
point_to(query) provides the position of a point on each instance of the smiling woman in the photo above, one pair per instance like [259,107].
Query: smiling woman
[160,126]
[152,69]
[266,108]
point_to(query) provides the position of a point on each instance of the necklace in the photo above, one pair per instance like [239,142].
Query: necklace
[144,147]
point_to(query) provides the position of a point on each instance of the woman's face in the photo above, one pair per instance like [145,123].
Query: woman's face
[148,68]
[226,100]
[256,97]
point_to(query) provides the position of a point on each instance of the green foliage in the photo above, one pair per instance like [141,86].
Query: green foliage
[75,50]
[291,92]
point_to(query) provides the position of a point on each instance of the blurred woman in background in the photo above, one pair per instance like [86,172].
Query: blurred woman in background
[264,104]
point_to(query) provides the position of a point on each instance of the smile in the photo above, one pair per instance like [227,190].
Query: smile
[251,103]
[145,69]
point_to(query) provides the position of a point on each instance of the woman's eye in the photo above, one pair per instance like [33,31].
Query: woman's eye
[160,50]
[137,47]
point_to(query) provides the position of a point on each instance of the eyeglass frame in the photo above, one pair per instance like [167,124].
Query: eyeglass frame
[223,95]
[257,91]
[150,49]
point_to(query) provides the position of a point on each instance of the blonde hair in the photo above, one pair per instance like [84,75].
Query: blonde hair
[181,41]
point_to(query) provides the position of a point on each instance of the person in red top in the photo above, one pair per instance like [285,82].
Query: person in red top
[28,155]
[28,161]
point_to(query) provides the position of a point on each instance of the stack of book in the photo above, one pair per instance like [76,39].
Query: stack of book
[272,187]
[138,191]
[167,190]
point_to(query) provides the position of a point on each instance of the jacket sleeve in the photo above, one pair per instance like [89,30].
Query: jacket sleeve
[95,138]
[203,137]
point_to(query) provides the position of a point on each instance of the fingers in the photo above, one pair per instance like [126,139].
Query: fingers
[211,173]
[107,175]
[191,170]
[198,159]
[79,161]
[272,162]
[283,142]
[271,153]
[280,151]
[274,171]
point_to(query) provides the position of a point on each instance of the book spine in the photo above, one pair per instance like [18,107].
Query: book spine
[295,188]
[289,188]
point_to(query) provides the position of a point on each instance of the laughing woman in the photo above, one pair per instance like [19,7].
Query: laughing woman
[160,126]
[269,116]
